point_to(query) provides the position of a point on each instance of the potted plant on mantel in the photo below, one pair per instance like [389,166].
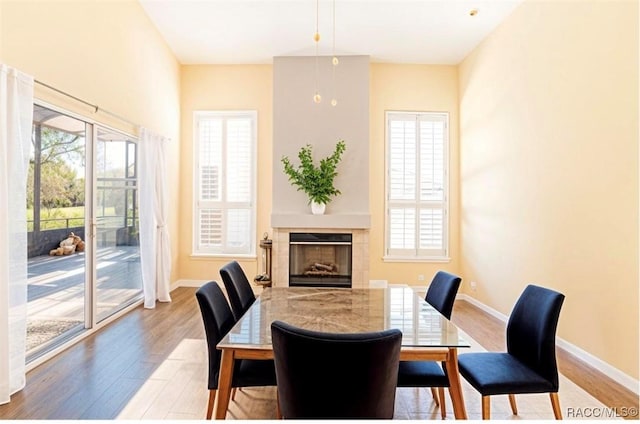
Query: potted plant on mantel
[315,181]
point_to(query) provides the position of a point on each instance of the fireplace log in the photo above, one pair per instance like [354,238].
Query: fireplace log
[315,273]
[323,267]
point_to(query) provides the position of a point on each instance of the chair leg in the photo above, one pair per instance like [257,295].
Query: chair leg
[278,411]
[212,400]
[555,404]
[512,402]
[443,407]
[435,396]
[233,393]
[486,407]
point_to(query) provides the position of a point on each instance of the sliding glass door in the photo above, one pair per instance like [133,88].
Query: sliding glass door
[82,207]
[119,281]
[56,188]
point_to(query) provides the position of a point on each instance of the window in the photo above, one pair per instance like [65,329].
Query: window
[225,181]
[416,192]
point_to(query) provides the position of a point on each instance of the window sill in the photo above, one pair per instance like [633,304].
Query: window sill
[435,259]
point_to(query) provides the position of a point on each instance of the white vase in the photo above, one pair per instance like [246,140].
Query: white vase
[317,208]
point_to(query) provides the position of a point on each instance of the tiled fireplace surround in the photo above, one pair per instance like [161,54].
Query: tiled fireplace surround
[359,260]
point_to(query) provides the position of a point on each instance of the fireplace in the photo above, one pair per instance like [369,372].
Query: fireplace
[359,245]
[320,259]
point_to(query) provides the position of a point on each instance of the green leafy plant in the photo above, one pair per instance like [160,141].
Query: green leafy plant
[315,181]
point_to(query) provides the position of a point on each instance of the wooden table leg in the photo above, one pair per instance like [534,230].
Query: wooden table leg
[224,383]
[455,388]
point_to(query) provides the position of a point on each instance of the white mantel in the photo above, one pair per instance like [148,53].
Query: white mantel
[309,221]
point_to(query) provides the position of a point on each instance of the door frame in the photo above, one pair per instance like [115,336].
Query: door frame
[91,323]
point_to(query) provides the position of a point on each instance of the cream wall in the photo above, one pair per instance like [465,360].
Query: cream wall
[2,35]
[218,87]
[429,88]
[107,53]
[549,168]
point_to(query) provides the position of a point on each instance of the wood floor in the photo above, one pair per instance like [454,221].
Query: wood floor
[152,364]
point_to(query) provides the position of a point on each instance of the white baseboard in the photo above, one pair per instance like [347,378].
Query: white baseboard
[597,363]
[487,309]
[187,283]
[194,283]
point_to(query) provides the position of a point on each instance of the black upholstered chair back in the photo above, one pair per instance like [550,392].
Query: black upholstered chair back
[442,292]
[239,290]
[218,320]
[325,375]
[531,330]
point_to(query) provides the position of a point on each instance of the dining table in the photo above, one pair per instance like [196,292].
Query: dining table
[426,334]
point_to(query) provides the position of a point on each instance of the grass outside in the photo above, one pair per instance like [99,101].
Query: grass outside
[51,219]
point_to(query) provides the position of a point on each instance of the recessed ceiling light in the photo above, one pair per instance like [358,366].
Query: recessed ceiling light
[473,12]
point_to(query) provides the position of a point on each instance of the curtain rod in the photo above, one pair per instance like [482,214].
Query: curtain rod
[95,107]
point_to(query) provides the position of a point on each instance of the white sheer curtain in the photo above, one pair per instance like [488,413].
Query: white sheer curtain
[16,116]
[155,251]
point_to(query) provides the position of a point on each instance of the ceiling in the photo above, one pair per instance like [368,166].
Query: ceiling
[254,31]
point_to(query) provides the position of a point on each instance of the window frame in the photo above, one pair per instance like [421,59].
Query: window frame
[389,256]
[224,252]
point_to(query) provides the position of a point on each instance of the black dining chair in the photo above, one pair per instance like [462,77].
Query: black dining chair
[326,375]
[239,290]
[441,295]
[218,320]
[529,365]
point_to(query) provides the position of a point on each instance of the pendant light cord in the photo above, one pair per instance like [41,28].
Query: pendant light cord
[334,59]
[316,38]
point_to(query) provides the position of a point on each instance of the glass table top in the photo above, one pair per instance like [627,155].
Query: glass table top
[339,310]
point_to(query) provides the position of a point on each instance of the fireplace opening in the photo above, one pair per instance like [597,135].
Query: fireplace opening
[320,259]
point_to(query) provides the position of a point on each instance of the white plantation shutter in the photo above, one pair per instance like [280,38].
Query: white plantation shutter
[210,154]
[225,173]
[210,228]
[416,219]
[402,159]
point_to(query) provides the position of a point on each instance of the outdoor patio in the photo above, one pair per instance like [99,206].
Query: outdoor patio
[56,290]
